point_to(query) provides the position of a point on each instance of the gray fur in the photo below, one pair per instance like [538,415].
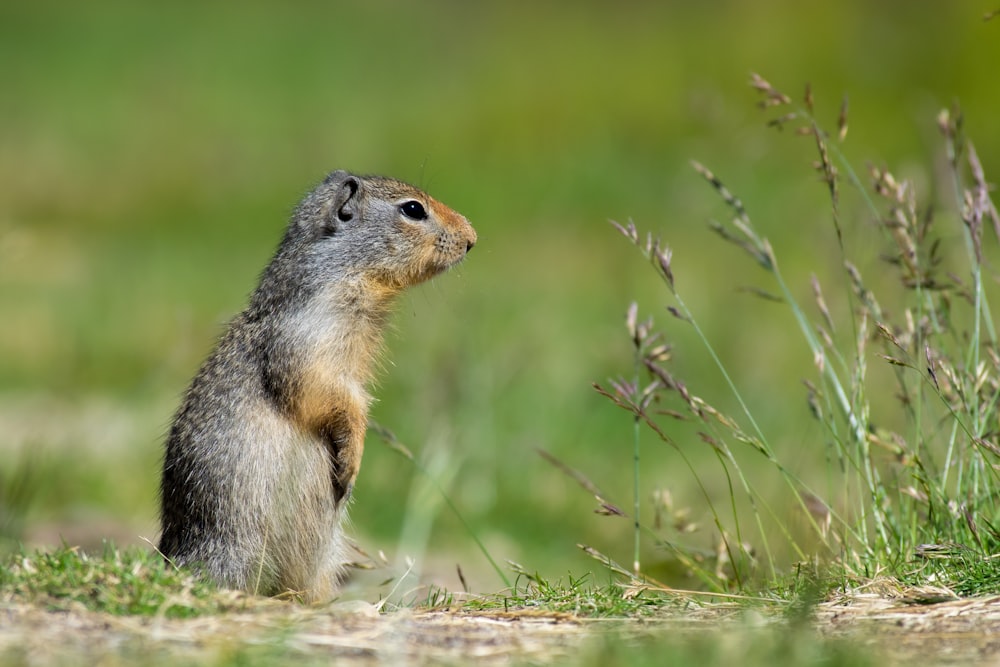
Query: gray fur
[264,450]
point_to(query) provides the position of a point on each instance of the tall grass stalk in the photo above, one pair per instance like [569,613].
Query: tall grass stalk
[636,490]
[393,442]
[889,498]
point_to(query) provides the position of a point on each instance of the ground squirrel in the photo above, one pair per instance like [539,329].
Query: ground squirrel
[262,455]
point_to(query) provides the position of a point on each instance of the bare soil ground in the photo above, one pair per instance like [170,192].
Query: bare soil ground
[952,632]
[898,631]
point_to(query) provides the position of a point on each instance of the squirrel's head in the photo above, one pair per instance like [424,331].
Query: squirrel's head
[378,228]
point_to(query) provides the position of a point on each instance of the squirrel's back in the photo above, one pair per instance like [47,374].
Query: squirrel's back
[264,450]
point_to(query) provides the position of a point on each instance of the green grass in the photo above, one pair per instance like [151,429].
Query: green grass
[578,596]
[130,582]
[135,583]
[953,567]
[899,481]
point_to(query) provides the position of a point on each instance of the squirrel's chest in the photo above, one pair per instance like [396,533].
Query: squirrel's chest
[333,365]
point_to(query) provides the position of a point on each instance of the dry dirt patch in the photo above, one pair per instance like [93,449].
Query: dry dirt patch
[953,632]
[956,631]
[357,635]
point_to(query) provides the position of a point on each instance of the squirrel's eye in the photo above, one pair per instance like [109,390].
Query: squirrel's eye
[413,210]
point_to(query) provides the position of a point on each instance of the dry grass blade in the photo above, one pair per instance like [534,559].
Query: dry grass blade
[772,96]
[632,323]
[389,438]
[606,561]
[606,507]
[895,361]
[987,446]
[747,246]
[628,231]
[865,296]
[678,314]
[830,178]
[930,367]
[950,122]
[663,256]
[761,293]
[781,121]
[982,205]
[617,396]
[821,302]
[842,121]
[884,331]
[727,196]
[757,247]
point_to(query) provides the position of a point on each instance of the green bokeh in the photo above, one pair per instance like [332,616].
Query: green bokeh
[150,154]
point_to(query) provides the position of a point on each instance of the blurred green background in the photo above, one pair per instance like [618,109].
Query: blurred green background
[150,154]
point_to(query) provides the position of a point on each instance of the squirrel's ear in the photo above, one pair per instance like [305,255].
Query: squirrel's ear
[344,204]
